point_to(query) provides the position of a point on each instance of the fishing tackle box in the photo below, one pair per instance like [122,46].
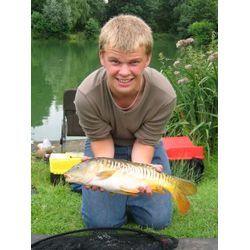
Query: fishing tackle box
[181,148]
[59,163]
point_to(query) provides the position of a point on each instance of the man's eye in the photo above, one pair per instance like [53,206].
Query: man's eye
[115,62]
[134,62]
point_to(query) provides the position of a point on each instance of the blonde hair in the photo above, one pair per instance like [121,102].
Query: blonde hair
[126,33]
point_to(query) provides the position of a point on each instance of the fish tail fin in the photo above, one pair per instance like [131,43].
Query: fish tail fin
[183,203]
[180,188]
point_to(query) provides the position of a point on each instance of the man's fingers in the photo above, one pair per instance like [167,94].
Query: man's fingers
[146,190]
[94,188]
[158,167]
[149,191]
[85,157]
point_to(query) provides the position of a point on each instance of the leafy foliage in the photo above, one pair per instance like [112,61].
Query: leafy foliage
[191,11]
[202,31]
[79,14]
[166,15]
[56,14]
[172,16]
[195,79]
[58,17]
[92,28]
[37,5]
[37,24]
[97,10]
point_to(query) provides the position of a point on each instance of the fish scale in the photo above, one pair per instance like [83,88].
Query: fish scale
[139,169]
[126,177]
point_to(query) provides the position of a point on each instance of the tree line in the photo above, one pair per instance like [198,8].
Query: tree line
[183,18]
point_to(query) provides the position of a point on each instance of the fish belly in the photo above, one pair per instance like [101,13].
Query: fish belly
[119,183]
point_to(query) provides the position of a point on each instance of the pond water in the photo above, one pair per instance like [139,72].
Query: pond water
[58,65]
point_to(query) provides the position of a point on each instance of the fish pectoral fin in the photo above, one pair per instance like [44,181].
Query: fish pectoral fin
[105,174]
[126,193]
[129,191]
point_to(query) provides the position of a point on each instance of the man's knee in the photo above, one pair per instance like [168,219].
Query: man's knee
[101,221]
[157,220]
[161,222]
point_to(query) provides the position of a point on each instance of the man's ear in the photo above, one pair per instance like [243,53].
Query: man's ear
[101,57]
[148,60]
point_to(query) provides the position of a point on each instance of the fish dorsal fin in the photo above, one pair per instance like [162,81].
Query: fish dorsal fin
[105,174]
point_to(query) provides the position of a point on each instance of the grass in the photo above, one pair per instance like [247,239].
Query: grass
[55,209]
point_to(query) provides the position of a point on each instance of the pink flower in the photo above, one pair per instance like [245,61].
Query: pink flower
[188,66]
[213,57]
[176,63]
[180,43]
[183,80]
[184,42]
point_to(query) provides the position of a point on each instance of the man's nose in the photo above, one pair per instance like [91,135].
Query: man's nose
[124,69]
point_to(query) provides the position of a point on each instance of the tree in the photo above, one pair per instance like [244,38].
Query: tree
[150,10]
[97,10]
[146,9]
[166,16]
[37,24]
[56,14]
[37,5]
[79,14]
[202,32]
[195,11]
[92,28]
[116,7]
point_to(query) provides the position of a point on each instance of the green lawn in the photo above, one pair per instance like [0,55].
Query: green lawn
[55,209]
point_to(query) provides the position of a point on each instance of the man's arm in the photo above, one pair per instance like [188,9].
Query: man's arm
[142,153]
[103,148]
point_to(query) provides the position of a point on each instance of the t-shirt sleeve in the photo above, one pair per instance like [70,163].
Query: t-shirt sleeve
[153,128]
[90,118]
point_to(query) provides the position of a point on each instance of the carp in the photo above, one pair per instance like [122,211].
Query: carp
[125,177]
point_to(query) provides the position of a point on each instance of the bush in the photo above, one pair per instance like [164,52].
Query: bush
[195,79]
[57,17]
[92,28]
[37,23]
[202,31]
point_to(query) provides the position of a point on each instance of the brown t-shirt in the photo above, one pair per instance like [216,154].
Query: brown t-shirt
[100,117]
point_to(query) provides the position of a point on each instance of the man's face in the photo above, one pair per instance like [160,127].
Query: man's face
[124,70]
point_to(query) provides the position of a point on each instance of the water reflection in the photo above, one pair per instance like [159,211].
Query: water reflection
[59,65]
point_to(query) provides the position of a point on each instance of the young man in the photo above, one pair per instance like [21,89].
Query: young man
[123,108]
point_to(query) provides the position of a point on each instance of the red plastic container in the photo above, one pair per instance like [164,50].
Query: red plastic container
[182,148]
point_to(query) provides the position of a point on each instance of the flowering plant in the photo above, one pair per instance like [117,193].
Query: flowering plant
[194,76]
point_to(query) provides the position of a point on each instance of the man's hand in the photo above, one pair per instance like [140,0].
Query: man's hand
[148,190]
[93,188]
